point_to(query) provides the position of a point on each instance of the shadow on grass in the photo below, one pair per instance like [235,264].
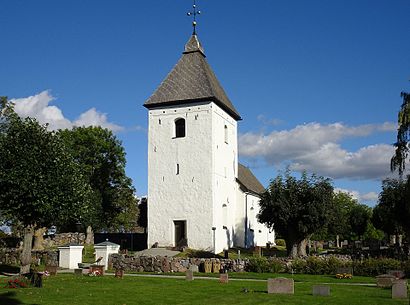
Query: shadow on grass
[9,298]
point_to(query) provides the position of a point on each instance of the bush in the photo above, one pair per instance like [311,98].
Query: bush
[374,267]
[297,266]
[280,242]
[264,265]
[406,268]
[315,265]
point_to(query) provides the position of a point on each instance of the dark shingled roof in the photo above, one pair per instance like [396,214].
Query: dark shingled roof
[248,180]
[191,80]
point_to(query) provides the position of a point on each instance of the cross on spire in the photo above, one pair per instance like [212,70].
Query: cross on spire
[193,13]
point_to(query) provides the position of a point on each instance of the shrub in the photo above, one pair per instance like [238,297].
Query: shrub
[374,267]
[315,265]
[280,242]
[276,266]
[263,265]
[406,268]
[297,266]
[332,264]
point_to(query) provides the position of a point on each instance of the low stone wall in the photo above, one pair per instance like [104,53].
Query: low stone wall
[12,257]
[175,264]
[62,239]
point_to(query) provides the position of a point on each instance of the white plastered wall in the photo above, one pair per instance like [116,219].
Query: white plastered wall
[187,196]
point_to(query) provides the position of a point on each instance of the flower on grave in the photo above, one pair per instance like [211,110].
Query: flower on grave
[344,276]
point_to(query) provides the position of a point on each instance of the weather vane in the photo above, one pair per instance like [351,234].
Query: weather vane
[194,13]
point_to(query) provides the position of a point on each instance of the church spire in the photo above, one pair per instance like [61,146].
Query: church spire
[193,14]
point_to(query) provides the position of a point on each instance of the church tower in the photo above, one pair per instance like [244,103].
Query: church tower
[192,157]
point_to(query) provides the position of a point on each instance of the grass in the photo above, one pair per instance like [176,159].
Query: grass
[73,290]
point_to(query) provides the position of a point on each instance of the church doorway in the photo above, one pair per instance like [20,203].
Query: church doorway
[180,233]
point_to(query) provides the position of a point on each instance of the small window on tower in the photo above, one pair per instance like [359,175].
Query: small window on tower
[177,169]
[180,128]
[226,134]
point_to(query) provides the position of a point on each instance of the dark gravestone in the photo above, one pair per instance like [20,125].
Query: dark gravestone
[281,285]
[223,278]
[321,290]
[399,289]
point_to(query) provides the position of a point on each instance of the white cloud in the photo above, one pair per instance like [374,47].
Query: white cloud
[38,106]
[315,147]
[367,197]
[94,118]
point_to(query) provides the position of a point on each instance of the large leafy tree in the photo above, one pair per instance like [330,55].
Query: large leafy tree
[39,182]
[392,213]
[101,158]
[296,208]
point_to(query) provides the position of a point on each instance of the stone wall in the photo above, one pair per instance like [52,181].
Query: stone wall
[10,256]
[63,239]
[175,264]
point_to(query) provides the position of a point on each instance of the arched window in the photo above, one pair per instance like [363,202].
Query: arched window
[226,134]
[180,128]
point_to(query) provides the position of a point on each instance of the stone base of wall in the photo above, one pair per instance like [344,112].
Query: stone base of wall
[175,264]
[12,257]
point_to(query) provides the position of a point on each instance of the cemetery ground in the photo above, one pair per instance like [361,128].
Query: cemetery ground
[149,289]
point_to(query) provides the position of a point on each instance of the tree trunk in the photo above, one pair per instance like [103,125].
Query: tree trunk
[26,253]
[301,248]
[89,240]
[38,239]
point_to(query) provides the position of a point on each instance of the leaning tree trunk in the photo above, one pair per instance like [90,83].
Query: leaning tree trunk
[26,253]
[301,248]
[89,240]
[38,239]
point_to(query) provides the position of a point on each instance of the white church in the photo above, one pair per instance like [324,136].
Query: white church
[198,194]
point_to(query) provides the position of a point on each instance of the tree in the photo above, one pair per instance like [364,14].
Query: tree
[39,182]
[392,212]
[101,158]
[296,208]
[359,219]
[398,161]
[339,224]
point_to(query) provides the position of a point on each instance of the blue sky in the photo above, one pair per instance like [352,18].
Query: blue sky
[317,82]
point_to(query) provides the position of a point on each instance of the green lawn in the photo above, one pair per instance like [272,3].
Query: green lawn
[69,289]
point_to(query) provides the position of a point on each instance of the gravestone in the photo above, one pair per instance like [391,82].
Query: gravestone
[281,285]
[321,290]
[399,289]
[189,275]
[216,266]
[223,278]
[399,274]
[385,280]
[194,268]
[207,267]
[78,271]
[344,270]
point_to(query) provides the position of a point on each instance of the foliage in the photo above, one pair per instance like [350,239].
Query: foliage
[264,265]
[392,212]
[375,266]
[398,161]
[359,218]
[296,208]
[101,157]
[18,281]
[40,184]
[316,265]
[280,242]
